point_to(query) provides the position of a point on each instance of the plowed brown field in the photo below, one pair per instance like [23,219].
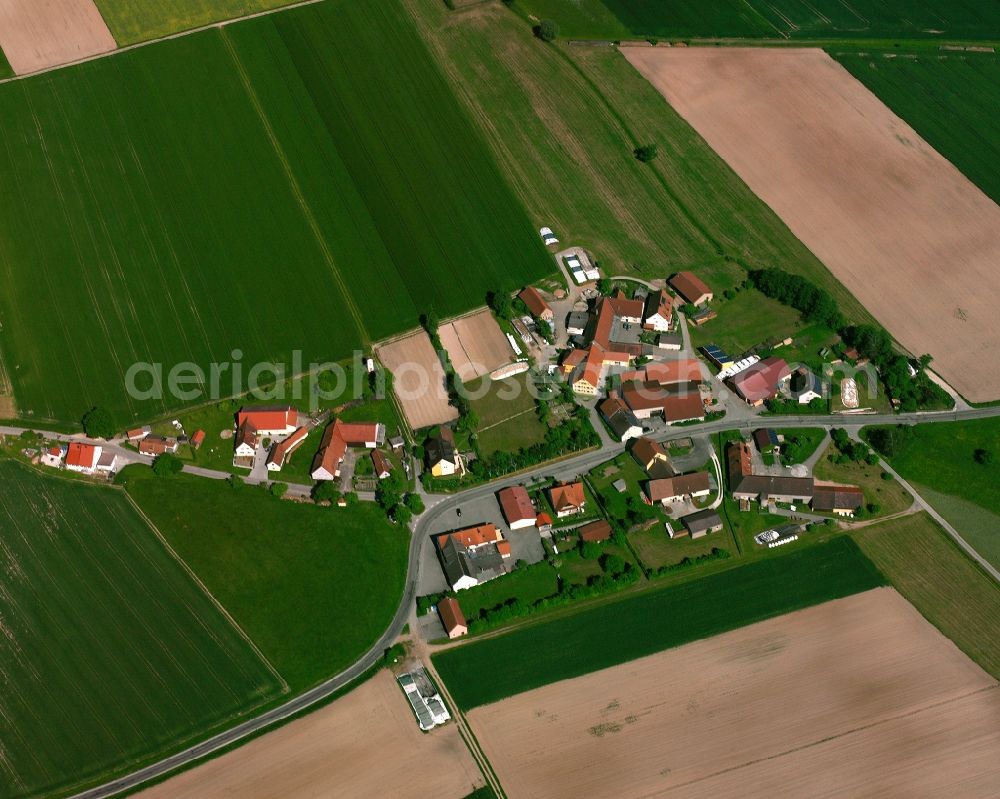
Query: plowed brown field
[859,696]
[365,744]
[418,380]
[36,34]
[896,223]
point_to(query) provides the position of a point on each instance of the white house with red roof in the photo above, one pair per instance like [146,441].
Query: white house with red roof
[337,438]
[83,458]
[270,420]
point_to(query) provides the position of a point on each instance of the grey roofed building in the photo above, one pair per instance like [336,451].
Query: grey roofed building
[441,448]
[620,419]
[576,323]
[619,486]
[702,522]
[480,564]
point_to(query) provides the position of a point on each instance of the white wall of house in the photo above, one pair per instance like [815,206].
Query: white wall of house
[522,523]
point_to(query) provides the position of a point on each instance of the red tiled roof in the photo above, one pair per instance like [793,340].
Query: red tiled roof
[622,306]
[380,462]
[677,486]
[198,439]
[567,495]
[81,455]
[760,381]
[596,531]
[646,450]
[689,286]
[543,519]
[661,302]
[269,417]
[516,504]
[156,445]
[338,437]
[451,614]
[472,537]
[681,407]
[503,547]
[280,451]
[663,372]
[534,301]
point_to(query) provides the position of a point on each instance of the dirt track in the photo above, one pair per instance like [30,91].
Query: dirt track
[419,380]
[897,223]
[860,696]
[36,34]
[365,744]
[476,345]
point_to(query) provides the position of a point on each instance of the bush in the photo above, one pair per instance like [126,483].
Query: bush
[98,423]
[414,502]
[167,465]
[547,30]
[590,550]
[612,564]
[279,489]
[984,457]
[326,491]
[687,563]
[646,152]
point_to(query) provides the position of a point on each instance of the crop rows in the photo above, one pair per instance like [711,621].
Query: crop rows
[110,651]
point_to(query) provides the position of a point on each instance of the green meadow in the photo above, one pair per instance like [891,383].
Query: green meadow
[134,21]
[304,180]
[112,654]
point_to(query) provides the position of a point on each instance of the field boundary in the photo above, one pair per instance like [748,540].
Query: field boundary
[204,588]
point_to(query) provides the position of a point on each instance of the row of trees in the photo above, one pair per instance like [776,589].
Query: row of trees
[815,304]
[689,562]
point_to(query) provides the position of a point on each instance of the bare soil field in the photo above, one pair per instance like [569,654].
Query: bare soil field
[37,34]
[857,696]
[910,236]
[476,345]
[419,380]
[364,744]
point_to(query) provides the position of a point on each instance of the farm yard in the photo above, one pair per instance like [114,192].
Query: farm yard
[339,750]
[475,344]
[418,380]
[111,652]
[604,635]
[146,250]
[37,35]
[772,19]
[888,687]
[332,577]
[563,123]
[858,186]
[949,99]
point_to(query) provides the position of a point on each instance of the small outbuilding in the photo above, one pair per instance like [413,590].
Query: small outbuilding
[452,617]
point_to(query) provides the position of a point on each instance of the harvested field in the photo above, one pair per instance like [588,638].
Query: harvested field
[774,708]
[365,744]
[476,345]
[418,380]
[37,34]
[858,186]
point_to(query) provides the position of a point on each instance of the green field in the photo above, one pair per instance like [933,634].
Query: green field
[949,99]
[796,19]
[746,321]
[313,587]
[112,654]
[5,70]
[641,624]
[888,494]
[134,21]
[942,456]
[940,580]
[181,201]
[563,122]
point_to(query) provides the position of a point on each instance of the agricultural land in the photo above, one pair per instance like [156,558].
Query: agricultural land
[332,577]
[563,122]
[890,686]
[955,466]
[339,750]
[950,99]
[38,35]
[134,21]
[606,635]
[858,186]
[112,652]
[146,225]
[768,19]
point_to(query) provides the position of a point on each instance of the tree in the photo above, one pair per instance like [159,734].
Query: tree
[402,514]
[167,465]
[612,564]
[590,550]
[98,423]
[646,152]
[984,457]
[279,489]
[874,508]
[925,360]
[326,490]
[501,304]
[604,286]
[389,492]
[414,502]
[547,30]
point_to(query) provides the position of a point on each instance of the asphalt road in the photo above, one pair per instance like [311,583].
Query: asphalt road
[563,469]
